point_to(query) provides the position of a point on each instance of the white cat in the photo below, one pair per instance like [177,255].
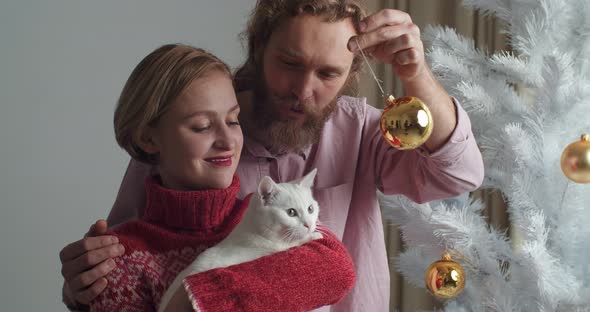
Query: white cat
[278,217]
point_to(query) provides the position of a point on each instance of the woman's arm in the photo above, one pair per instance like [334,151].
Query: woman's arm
[128,289]
[302,278]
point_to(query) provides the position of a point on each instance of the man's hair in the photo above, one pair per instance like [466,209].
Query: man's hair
[268,14]
[153,86]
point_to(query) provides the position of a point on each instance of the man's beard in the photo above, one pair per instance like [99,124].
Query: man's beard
[282,135]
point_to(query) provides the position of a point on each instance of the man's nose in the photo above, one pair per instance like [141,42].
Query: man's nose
[304,86]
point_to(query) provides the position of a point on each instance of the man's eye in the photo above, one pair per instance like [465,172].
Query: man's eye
[329,75]
[289,63]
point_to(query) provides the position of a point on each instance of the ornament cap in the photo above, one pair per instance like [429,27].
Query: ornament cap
[446,256]
[585,137]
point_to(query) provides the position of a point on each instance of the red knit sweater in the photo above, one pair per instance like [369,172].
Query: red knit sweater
[177,226]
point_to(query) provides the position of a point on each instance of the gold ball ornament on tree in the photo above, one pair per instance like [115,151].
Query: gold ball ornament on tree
[406,122]
[575,160]
[445,278]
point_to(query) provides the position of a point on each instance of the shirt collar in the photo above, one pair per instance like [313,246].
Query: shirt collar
[258,150]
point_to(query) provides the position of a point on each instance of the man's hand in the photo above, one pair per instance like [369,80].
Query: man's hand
[391,37]
[86,262]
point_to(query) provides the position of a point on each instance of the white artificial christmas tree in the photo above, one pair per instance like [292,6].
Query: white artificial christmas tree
[521,139]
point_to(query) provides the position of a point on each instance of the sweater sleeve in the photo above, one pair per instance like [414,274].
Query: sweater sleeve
[302,278]
[127,289]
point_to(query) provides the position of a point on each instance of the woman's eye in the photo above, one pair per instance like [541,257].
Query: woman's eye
[310,209]
[292,212]
[200,129]
[234,123]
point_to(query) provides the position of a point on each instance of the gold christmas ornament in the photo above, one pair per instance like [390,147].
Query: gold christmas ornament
[406,122]
[575,160]
[445,278]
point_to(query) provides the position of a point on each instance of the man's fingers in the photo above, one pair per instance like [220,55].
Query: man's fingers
[406,57]
[87,295]
[91,259]
[80,247]
[98,228]
[383,18]
[380,36]
[86,279]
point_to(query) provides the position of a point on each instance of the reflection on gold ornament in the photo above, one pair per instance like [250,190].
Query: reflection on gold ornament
[445,278]
[575,160]
[406,122]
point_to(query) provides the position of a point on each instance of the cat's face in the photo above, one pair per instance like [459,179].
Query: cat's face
[289,208]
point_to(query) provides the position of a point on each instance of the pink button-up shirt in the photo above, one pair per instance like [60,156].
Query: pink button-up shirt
[353,161]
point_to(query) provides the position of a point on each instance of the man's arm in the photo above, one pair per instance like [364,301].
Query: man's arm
[391,37]
[131,199]
[84,265]
[455,168]
[315,274]
[86,262]
[449,163]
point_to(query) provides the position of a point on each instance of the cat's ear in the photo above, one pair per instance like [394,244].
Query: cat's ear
[266,187]
[307,180]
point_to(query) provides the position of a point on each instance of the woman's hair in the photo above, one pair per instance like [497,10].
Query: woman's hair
[267,16]
[153,86]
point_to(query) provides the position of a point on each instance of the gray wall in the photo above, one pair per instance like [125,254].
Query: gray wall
[62,66]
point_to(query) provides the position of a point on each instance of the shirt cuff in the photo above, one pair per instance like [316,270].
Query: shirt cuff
[460,138]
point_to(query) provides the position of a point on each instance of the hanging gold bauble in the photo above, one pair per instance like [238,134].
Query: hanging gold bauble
[575,160]
[445,278]
[406,122]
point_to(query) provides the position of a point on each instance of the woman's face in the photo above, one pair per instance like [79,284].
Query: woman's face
[199,140]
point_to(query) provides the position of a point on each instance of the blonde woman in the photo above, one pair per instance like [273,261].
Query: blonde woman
[178,112]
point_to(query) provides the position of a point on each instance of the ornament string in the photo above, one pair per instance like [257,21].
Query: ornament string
[369,65]
[563,195]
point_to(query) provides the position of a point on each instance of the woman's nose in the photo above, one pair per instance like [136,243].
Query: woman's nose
[225,139]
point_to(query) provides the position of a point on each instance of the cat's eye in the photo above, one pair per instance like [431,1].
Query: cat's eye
[310,209]
[292,212]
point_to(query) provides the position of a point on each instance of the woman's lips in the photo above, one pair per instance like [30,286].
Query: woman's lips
[222,161]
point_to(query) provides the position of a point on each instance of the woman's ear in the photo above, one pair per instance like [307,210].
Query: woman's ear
[147,142]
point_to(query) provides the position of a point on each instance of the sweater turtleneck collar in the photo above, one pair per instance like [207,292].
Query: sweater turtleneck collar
[195,211]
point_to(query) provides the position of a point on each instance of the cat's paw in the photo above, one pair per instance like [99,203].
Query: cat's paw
[316,235]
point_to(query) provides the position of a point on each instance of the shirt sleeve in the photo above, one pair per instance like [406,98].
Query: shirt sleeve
[455,168]
[131,197]
[302,278]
